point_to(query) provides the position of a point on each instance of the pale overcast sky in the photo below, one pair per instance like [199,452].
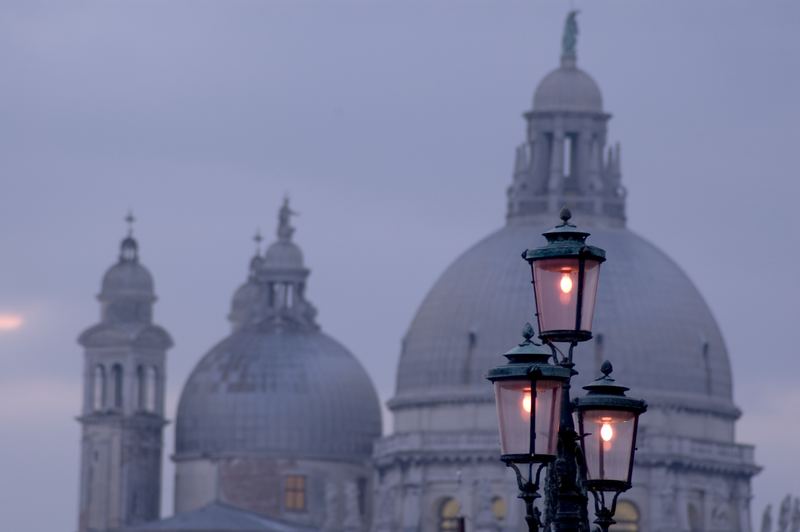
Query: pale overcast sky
[393,126]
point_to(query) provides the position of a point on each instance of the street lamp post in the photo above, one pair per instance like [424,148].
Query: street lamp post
[608,422]
[528,396]
[532,392]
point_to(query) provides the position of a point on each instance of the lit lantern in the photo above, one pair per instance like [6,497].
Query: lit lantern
[607,423]
[565,274]
[528,392]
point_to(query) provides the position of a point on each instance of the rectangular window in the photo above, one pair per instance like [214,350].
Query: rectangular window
[294,493]
[362,496]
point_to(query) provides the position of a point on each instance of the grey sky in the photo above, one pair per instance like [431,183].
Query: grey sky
[392,125]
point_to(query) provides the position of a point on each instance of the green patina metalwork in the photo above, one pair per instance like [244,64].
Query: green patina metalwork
[569,40]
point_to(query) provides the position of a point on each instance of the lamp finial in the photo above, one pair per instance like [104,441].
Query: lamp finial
[565,215]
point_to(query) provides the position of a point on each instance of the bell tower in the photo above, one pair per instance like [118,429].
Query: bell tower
[122,418]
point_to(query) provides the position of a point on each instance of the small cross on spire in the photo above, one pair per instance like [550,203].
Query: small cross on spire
[257,238]
[130,219]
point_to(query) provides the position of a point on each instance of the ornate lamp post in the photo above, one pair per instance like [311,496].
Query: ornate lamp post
[528,395]
[565,274]
[608,422]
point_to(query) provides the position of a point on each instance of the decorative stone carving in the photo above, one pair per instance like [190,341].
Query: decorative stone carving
[331,507]
[352,511]
[484,518]
[766,519]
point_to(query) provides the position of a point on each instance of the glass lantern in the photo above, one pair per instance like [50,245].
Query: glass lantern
[528,394]
[607,423]
[565,274]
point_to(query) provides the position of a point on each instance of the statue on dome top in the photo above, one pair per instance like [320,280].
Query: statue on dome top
[285,229]
[570,39]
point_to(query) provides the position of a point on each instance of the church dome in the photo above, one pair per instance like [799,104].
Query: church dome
[127,277]
[568,88]
[651,322]
[286,392]
[278,386]
[244,300]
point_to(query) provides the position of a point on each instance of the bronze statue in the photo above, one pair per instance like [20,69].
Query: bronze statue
[285,229]
[570,39]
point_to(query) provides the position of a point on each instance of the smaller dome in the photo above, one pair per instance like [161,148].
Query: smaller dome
[279,392]
[246,298]
[127,278]
[568,88]
[283,254]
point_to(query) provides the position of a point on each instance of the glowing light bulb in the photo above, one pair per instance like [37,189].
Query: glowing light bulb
[526,402]
[566,283]
[606,432]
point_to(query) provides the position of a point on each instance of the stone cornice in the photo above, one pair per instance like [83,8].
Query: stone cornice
[271,455]
[662,400]
[437,447]
[117,419]
[440,397]
[697,455]
[692,403]
[683,463]
[654,451]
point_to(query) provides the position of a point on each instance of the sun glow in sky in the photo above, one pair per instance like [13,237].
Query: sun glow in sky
[10,322]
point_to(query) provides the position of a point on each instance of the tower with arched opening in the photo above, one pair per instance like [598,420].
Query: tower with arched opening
[123,401]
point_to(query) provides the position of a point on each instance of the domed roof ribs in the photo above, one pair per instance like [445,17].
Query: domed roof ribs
[561,162]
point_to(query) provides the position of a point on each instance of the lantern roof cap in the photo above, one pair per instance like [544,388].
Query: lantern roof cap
[528,350]
[606,393]
[529,359]
[565,240]
[606,383]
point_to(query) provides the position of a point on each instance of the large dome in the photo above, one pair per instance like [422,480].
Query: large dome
[281,392]
[655,326]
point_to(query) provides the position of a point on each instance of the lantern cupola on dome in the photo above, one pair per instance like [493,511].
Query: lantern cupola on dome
[564,160]
[275,291]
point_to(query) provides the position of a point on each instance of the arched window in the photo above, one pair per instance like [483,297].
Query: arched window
[289,295]
[116,377]
[627,517]
[151,388]
[449,510]
[499,508]
[98,388]
[279,295]
[569,155]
